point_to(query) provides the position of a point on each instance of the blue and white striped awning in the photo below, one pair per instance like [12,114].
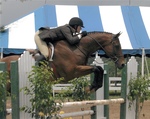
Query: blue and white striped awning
[132,21]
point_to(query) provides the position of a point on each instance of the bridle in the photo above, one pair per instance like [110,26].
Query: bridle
[113,56]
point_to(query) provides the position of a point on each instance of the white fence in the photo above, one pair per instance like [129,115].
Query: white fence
[25,65]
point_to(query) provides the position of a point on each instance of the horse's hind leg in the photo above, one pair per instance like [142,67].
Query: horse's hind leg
[98,78]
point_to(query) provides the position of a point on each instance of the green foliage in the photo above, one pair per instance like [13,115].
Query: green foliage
[43,104]
[77,91]
[3,82]
[138,93]
[41,80]
[112,69]
[138,89]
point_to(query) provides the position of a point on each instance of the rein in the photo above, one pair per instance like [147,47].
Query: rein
[115,58]
[81,51]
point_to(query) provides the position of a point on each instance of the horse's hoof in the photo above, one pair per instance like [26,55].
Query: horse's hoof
[95,88]
[98,87]
[87,90]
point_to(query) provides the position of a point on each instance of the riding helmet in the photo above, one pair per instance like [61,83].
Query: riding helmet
[76,21]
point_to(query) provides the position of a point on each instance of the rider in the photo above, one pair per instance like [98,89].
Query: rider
[69,32]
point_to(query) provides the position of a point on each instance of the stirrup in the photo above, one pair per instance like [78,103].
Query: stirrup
[52,48]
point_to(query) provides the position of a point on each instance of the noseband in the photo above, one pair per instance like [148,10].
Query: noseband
[113,56]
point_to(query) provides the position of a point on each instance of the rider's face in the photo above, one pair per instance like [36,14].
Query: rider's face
[79,28]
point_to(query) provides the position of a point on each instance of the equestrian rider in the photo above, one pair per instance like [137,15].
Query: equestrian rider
[69,32]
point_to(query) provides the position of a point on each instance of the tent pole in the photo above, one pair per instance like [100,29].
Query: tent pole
[1,53]
[143,55]
[146,65]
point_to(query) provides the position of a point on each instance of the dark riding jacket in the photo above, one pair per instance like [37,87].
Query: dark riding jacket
[65,32]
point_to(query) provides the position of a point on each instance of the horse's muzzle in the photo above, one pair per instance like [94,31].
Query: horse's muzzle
[120,66]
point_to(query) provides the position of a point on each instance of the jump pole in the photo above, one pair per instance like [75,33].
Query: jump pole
[123,93]
[91,103]
[99,94]
[15,90]
[106,90]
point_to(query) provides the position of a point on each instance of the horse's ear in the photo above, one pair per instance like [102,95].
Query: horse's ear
[117,35]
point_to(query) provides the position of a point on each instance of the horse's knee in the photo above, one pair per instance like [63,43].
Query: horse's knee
[98,78]
[95,69]
[101,69]
[98,69]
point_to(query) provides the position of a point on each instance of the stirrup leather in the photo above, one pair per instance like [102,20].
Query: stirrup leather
[52,54]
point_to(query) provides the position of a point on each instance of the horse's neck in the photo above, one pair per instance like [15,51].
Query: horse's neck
[88,44]
[94,42]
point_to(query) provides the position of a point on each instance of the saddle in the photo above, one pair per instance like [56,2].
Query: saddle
[36,53]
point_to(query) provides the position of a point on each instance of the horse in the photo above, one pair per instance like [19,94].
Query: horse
[70,61]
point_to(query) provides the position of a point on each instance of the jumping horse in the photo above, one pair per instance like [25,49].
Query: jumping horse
[71,61]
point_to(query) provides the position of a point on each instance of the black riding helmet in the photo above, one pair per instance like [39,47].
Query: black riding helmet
[76,21]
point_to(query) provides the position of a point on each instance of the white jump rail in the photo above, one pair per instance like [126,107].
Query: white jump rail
[79,113]
[91,103]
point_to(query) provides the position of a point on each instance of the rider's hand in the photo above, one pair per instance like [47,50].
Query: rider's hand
[84,33]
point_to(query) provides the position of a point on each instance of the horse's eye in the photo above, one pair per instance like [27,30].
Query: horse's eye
[117,46]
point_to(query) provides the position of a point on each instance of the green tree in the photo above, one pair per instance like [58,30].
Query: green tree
[138,92]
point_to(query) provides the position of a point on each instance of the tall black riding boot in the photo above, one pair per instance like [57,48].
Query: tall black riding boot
[39,59]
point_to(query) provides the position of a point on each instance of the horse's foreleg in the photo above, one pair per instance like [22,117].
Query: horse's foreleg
[98,78]
[83,70]
[98,75]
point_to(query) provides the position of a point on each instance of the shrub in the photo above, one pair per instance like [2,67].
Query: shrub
[138,92]
[43,104]
[3,92]
[77,91]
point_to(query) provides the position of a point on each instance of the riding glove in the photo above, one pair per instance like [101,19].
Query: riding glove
[84,33]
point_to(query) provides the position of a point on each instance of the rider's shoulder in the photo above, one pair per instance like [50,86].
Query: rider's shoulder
[64,27]
[44,28]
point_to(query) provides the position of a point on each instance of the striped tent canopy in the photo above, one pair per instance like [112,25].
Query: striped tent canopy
[132,21]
